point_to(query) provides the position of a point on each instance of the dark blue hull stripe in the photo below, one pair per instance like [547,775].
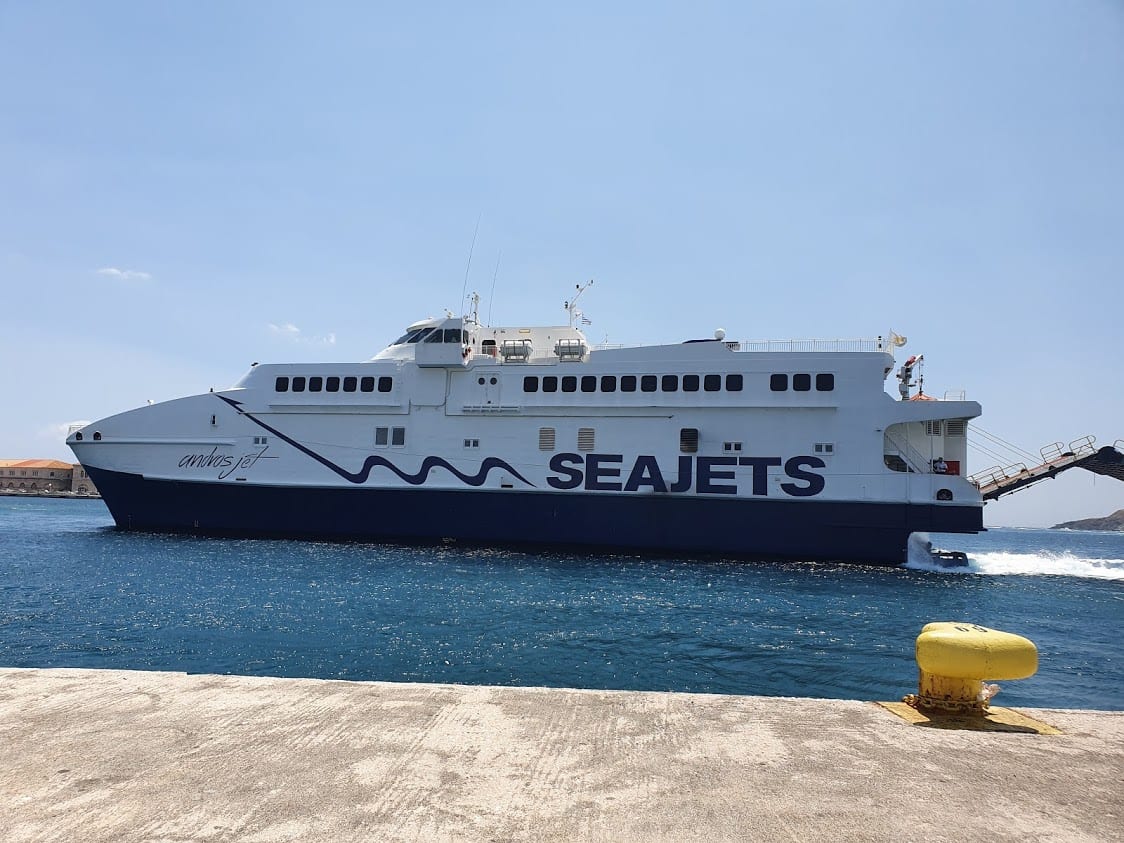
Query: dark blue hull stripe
[682,525]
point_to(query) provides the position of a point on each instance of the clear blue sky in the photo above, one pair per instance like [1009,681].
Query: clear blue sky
[187,188]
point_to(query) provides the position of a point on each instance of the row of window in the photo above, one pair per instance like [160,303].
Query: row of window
[630,383]
[802,382]
[334,384]
[825,382]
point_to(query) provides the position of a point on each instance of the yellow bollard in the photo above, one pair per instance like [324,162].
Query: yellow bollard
[954,659]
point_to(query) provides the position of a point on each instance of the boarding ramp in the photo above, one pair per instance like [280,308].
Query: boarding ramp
[997,481]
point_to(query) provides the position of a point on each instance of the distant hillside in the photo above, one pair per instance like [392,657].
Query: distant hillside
[1109,522]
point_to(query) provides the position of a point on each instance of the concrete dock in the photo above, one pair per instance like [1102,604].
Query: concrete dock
[90,755]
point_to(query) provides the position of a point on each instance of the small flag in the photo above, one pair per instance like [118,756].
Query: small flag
[586,321]
[897,339]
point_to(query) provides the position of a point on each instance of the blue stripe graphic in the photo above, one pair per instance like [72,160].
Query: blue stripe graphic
[373,461]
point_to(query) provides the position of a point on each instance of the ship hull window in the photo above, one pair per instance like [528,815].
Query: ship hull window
[367,384]
[386,384]
[608,383]
[690,383]
[530,384]
[628,383]
[281,384]
[648,383]
[733,383]
[778,383]
[712,383]
[825,382]
[349,384]
[332,384]
[801,382]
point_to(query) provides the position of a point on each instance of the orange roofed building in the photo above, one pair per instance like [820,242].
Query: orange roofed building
[44,476]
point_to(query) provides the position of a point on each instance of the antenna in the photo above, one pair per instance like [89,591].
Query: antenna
[570,304]
[464,286]
[492,295]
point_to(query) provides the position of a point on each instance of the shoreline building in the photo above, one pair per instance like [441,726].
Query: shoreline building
[45,476]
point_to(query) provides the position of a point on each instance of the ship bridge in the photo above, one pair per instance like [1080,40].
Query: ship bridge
[1053,459]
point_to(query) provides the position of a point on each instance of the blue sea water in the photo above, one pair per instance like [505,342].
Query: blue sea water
[74,592]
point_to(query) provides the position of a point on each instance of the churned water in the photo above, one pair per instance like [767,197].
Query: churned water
[74,592]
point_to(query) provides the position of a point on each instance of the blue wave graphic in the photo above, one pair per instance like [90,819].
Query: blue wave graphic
[374,461]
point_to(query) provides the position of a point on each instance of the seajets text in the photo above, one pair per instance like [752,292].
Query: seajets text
[710,475]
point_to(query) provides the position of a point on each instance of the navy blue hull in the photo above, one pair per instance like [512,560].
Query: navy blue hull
[662,524]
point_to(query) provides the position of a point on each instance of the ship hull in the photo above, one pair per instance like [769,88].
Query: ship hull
[660,524]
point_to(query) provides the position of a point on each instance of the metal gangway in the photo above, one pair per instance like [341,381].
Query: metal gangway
[1055,458]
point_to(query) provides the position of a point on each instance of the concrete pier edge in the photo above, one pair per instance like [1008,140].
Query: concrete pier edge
[106,755]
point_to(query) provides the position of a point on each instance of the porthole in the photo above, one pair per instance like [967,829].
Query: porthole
[97,435]
[944,494]
[78,436]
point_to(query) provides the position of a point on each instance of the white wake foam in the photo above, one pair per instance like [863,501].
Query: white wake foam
[998,563]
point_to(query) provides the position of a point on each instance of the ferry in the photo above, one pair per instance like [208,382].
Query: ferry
[532,436]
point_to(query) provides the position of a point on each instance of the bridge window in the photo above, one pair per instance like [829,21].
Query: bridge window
[690,383]
[530,384]
[778,383]
[825,382]
[712,383]
[281,384]
[733,383]
[648,383]
[608,383]
[801,382]
[669,383]
[349,384]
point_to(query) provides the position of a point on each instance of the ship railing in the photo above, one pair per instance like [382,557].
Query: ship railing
[913,458]
[995,474]
[806,345]
[1082,447]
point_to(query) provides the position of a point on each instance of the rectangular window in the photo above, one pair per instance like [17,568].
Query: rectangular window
[733,383]
[281,385]
[589,383]
[608,383]
[569,384]
[332,384]
[315,384]
[298,384]
[689,440]
[712,383]
[778,383]
[690,383]
[382,437]
[731,447]
[585,439]
[367,384]
[398,436]
[825,447]
[628,383]
[530,384]
[349,384]
[825,382]
[550,383]
[669,383]
[801,382]
[648,383]
[472,443]
[386,384]
[546,438]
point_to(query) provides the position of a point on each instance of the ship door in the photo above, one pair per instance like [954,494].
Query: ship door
[491,384]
